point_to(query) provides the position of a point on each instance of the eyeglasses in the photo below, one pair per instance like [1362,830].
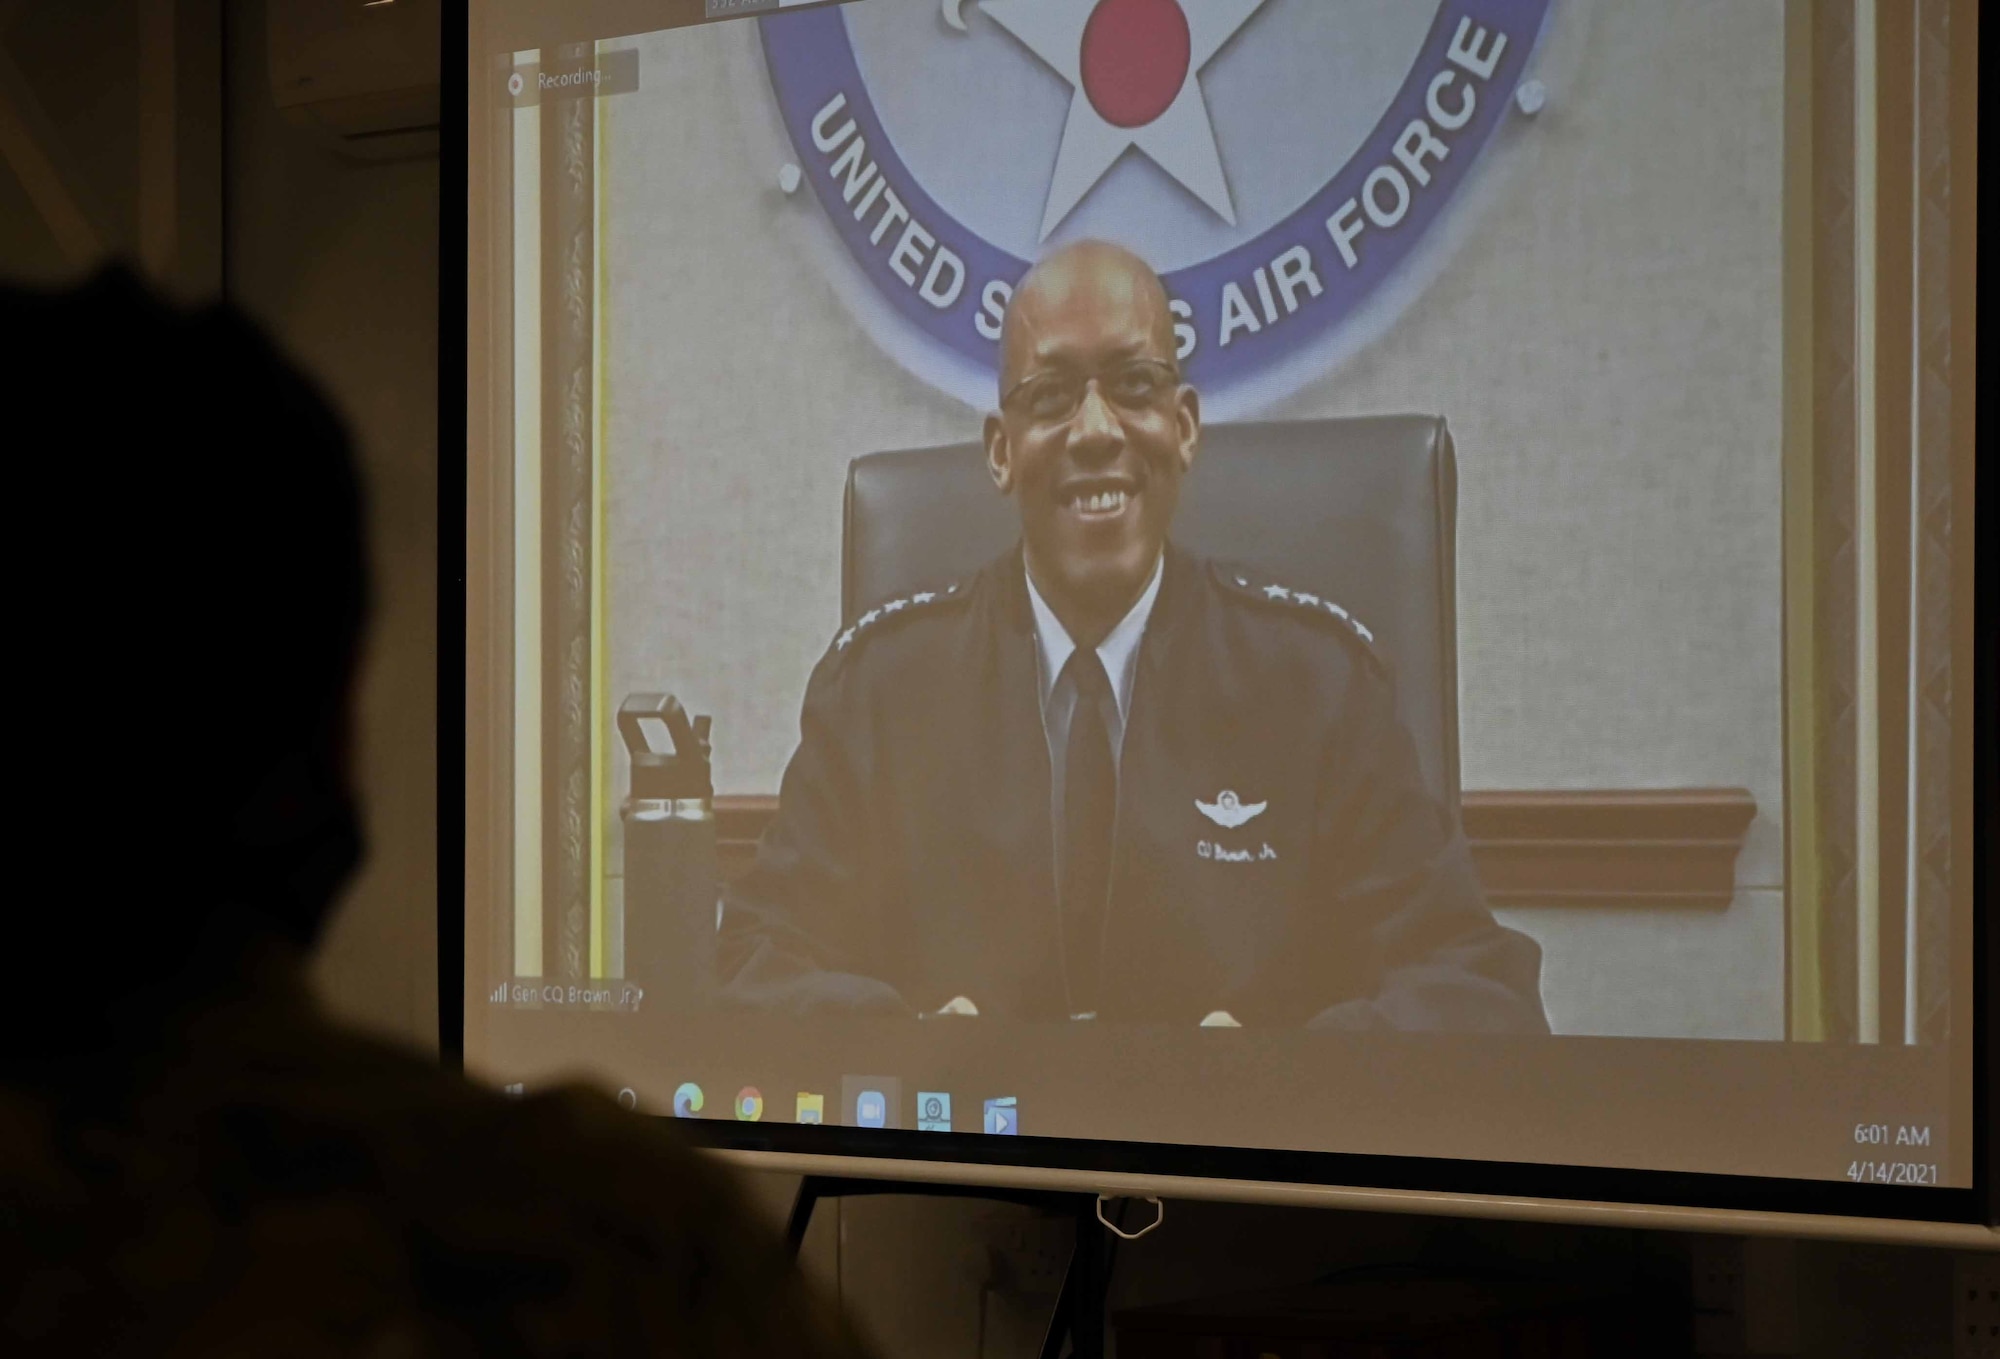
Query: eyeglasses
[1056,396]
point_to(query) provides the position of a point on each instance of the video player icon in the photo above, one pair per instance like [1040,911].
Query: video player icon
[1003,1119]
[871,1101]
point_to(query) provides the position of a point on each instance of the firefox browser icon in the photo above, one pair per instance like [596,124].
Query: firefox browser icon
[749,1104]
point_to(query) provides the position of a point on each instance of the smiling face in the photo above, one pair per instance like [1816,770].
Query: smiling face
[1095,429]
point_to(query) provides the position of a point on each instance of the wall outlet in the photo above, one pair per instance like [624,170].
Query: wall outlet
[1718,1269]
[1975,1308]
[1746,1296]
[1027,1255]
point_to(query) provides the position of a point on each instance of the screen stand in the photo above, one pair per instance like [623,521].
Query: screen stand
[1079,1310]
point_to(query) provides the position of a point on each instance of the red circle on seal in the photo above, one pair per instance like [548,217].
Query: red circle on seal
[1135,59]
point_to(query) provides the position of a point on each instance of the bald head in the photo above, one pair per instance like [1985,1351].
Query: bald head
[1094,278]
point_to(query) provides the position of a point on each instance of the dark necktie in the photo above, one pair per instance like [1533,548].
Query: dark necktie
[1090,802]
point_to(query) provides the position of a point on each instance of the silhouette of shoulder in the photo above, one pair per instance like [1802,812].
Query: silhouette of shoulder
[283,1186]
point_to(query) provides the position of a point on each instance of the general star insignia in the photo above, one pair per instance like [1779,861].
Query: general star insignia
[1228,811]
[1134,74]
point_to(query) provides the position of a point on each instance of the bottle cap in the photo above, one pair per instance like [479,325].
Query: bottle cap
[682,769]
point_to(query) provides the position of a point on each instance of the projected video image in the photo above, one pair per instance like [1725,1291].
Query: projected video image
[1143,522]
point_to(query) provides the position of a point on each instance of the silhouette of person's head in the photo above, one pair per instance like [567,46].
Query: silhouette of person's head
[188,587]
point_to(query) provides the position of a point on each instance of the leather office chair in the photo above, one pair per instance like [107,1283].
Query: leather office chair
[1361,510]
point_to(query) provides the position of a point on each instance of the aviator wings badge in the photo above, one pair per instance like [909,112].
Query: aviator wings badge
[1227,811]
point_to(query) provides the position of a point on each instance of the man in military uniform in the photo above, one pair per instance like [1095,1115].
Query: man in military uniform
[1104,778]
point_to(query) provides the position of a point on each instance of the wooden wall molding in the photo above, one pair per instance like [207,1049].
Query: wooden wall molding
[1583,847]
[1609,847]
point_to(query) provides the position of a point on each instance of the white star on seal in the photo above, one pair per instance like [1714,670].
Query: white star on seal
[1180,139]
[922,597]
[895,606]
[1306,599]
[867,618]
[1277,592]
[840,643]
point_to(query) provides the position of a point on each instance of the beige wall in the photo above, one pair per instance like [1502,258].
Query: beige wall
[1605,344]
[339,258]
[110,140]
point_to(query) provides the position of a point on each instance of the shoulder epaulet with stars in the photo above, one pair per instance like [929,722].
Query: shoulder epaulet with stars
[904,606]
[1248,585]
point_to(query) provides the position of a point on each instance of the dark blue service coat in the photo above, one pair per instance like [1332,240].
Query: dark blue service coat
[912,860]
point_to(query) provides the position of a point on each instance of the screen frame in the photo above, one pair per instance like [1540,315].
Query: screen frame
[1329,1178]
[1959,1217]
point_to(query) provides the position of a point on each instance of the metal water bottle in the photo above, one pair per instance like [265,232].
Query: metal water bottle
[671,889]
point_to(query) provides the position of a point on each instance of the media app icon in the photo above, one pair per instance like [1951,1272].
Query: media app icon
[749,1104]
[812,1108]
[933,1111]
[871,1102]
[687,1100]
[1003,1119]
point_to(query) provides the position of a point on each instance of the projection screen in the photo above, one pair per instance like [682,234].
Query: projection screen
[1371,595]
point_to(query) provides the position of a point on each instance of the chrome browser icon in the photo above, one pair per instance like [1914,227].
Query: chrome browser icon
[687,1100]
[749,1104]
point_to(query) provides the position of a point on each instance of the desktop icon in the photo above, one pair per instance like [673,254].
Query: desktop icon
[749,1104]
[687,1100]
[933,1112]
[1003,1119]
[871,1101]
[812,1108]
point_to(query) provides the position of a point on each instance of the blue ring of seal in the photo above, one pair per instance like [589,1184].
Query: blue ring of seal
[811,59]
